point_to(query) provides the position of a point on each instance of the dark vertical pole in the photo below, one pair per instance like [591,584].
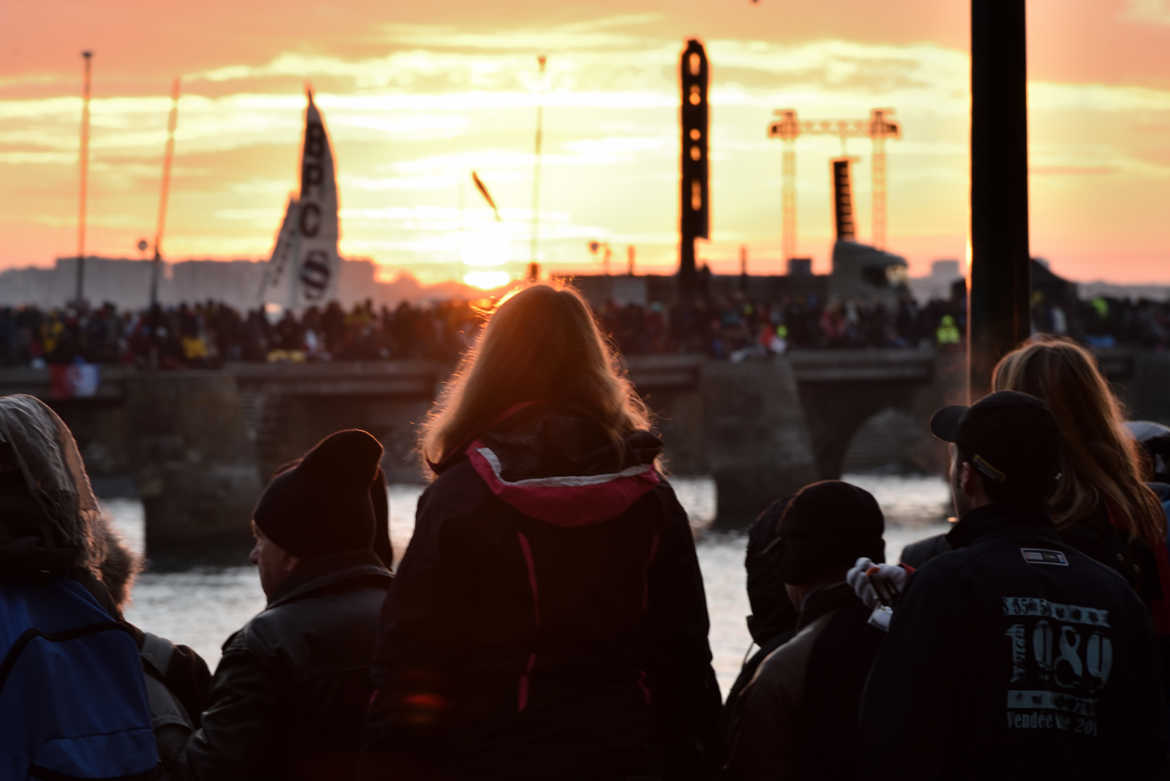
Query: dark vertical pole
[79,293]
[543,60]
[999,277]
[694,210]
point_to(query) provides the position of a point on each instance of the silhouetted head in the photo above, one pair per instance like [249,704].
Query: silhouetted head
[49,509]
[826,527]
[1100,462]
[1006,450]
[322,503]
[540,344]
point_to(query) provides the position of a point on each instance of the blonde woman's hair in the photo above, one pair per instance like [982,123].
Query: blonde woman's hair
[539,344]
[1100,461]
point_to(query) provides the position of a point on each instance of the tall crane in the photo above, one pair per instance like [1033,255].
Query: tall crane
[878,127]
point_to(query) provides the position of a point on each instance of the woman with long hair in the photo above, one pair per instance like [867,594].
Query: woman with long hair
[548,618]
[1101,504]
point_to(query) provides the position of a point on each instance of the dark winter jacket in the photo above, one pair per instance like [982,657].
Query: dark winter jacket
[289,695]
[918,553]
[1099,539]
[1014,656]
[773,619]
[797,719]
[548,618]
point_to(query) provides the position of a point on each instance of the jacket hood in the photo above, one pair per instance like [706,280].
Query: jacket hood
[562,468]
[51,521]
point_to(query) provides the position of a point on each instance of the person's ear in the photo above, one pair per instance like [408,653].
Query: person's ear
[290,563]
[969,479]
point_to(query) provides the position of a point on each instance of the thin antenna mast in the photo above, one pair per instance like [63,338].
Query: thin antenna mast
[168,156]
[84,165]
[542,59]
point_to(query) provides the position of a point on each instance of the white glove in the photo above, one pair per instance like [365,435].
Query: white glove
[877,584]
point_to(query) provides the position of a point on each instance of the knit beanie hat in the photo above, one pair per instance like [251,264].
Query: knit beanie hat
[322,504]
[828,525]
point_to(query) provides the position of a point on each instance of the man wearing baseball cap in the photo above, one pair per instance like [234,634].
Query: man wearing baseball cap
[1013,656]
[797,718]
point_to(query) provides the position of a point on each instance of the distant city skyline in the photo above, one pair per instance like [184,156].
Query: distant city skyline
[415,98]
[125,282]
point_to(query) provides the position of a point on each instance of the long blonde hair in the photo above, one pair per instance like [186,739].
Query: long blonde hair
[1100,461]
[540,344]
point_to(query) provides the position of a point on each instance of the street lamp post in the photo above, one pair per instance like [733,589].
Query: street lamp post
[79,293]
[542,59]
[607,253]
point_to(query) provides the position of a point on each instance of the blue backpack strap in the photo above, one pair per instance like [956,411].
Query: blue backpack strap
[31,634]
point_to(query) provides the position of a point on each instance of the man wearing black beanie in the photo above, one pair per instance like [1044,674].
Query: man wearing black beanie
[290,692]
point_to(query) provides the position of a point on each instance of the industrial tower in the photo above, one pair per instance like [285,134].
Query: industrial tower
[878,127]
[694,213]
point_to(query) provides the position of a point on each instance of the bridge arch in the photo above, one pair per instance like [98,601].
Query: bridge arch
[841,390]
[887,441]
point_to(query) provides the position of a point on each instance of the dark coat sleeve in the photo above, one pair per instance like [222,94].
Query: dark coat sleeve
[682,681]
[240,732]
[906,715]
[407,707]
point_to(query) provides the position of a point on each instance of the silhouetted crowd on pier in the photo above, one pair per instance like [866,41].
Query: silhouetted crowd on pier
[548,618]
[210,334]
[741,328]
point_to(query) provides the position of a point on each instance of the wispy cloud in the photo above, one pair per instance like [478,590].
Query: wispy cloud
[416,107]
[1148,11]
[617,31]
[1072,170]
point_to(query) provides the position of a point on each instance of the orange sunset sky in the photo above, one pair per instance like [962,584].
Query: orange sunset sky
[416,95]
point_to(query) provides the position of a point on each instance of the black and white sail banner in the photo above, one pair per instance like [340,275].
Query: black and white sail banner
[277,277]
[304,267]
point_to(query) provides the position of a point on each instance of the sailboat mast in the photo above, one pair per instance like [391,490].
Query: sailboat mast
[168,156]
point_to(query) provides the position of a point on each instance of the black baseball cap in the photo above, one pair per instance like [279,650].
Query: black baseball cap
[829,524]
[1010,438]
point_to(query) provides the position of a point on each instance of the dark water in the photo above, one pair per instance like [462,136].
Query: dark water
[203,605]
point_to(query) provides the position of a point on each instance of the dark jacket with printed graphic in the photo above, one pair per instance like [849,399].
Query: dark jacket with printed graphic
[548,619]
[1014,656]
